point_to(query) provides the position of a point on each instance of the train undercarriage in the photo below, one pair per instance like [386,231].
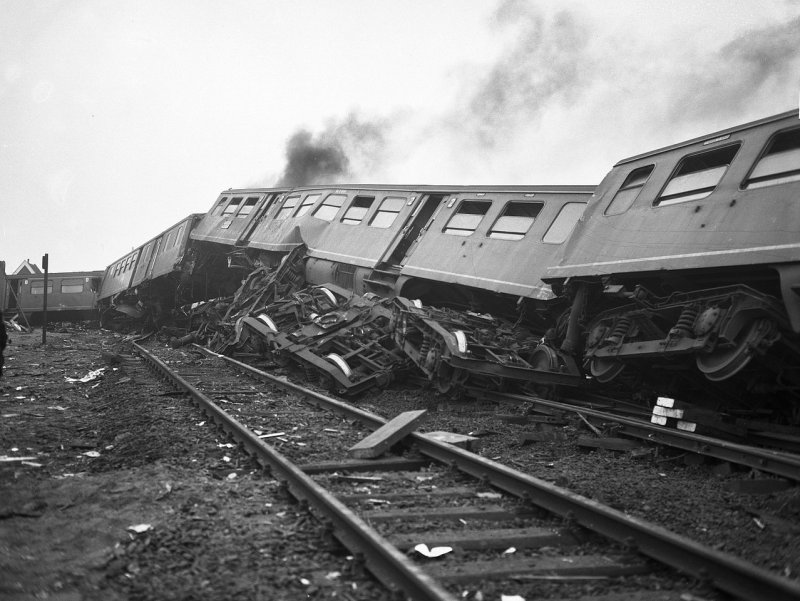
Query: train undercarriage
[731,345]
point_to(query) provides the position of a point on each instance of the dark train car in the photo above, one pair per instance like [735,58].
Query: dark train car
[70,296]
[153,278]
[690,255]
[164,254]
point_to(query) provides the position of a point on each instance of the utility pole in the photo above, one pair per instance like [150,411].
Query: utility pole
[44,308]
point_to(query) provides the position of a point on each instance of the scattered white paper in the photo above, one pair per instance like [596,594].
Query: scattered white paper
[92,375]
[139,528]
[433,552]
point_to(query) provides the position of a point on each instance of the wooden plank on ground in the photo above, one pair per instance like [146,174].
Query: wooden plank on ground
[450,492]
[611,443]
[565,568]
[488,539]
[762,486]
[383,438]
[390,464]
[487,512]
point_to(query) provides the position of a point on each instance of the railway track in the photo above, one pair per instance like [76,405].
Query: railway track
[379,509]
[784,464]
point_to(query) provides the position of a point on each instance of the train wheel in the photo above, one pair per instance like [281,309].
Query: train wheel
[543,358]
[443,378]
[725,362]
[605,370]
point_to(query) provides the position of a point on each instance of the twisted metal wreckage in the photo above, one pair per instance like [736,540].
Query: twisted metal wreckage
[352,343]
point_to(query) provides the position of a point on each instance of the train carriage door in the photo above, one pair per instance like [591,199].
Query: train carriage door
[259,217]
[418,223]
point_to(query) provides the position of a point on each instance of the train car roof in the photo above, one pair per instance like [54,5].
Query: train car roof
[561,189]
[712,136]
[59,274]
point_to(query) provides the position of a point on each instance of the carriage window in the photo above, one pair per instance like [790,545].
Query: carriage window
[71,286]
[288,206]
[248,206]
[562,225]
[780,163]
[697,176]
[330,206]
[358,210]
[516,219]
[466,219]
[629,190]
[232,205]
[168,242]
[306,205]
[37,287]
[219,208]
[387,212]
[178,236]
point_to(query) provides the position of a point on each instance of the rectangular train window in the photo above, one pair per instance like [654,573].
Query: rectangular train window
[780,163]
[562,225]
[357,210]
[220,205]
[387,212]
[330,206]
[306,205]
[629,190]
[71,286]
[232,205]
[37,287]
[247,207]
[467,218]
[288,206]
[697,176]
[178,236]
[515,220]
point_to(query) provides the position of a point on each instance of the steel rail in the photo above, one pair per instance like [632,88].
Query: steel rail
[387,563]
[779,463]
[726,572]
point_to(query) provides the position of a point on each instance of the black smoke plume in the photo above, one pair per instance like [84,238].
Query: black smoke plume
[312,160]
[352,147]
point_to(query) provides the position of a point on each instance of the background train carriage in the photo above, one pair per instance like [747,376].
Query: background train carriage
[691,255]
[70,295]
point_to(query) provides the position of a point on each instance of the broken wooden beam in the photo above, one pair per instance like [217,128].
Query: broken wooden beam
[383,438]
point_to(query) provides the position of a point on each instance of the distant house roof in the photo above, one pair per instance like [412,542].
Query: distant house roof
[27,268]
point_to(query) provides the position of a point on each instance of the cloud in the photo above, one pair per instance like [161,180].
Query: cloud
[752,65]
[545,64]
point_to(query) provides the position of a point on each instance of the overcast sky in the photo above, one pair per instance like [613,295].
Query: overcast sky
[118,118]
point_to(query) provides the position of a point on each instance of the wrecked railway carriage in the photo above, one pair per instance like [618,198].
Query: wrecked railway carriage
[683,270]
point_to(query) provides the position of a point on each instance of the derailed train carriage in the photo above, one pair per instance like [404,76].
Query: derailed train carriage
[682,270]
[477,249]
[687,262]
